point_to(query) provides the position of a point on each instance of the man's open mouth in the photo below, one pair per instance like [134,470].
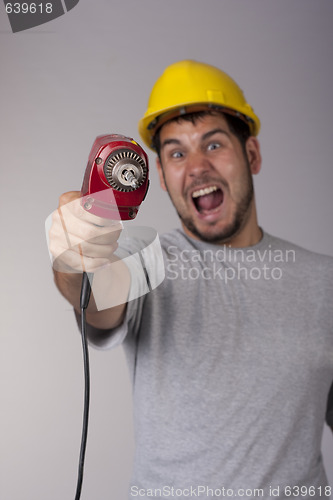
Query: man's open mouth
[207,199]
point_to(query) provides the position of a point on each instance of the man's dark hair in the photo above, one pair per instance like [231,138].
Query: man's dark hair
[237,127]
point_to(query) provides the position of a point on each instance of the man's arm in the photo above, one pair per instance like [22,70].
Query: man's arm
[80,242]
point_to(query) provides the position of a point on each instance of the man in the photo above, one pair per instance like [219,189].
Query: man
[232,355]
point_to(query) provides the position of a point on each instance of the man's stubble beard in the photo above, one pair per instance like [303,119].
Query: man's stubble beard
[240,217]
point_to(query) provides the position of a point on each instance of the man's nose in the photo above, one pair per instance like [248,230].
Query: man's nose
[197,165]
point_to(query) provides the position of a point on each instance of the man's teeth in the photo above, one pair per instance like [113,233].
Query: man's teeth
[203,192]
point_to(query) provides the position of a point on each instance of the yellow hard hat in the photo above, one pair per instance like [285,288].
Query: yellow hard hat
[188,86]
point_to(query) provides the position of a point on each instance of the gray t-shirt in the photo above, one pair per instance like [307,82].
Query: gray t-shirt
[231,359]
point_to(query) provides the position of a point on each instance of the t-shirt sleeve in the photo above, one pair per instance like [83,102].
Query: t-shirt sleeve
[113,337]
[329,410]
[144,260]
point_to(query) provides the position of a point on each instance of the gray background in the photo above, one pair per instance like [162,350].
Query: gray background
[90,72]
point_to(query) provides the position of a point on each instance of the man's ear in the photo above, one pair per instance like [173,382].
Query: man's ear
[160,173]
[252,148]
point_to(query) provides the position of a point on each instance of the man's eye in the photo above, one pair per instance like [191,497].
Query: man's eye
[213,145]
[176,154]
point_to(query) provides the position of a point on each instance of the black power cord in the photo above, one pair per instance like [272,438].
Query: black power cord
[84,301]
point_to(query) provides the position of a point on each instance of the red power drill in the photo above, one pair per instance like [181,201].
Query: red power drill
[119,163]
[115,184]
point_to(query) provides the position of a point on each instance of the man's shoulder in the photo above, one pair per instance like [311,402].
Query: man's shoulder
[312,268]
[304,253]
[175,237]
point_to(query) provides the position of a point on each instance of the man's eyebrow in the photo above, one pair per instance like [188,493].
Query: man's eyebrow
[206,136]
[209,134]
[169,141]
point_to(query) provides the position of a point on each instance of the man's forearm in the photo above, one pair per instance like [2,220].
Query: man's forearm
[111,282]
